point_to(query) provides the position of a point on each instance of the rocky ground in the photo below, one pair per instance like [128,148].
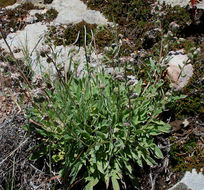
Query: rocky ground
[155,30]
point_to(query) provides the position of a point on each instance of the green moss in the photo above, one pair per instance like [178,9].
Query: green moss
[187,155]
[135,18]
[4,3]
[69,35]
[176,13]
[40,17]
[15,17]
[27,6]
[189,106]
[50,15]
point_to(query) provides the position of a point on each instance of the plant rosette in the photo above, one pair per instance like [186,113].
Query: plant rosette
[99,125]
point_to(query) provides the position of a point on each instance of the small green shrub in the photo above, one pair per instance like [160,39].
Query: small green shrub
[51,14]
[97,127]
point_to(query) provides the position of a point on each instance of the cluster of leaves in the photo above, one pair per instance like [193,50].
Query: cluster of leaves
[98,127]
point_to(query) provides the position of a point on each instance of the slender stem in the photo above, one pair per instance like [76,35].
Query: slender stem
[4,38]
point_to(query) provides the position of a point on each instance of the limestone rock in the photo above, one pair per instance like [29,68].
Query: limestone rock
[75,11]
[26,38]
[191,180]
[31,1]
[179,70]
[174,27]
[182,3]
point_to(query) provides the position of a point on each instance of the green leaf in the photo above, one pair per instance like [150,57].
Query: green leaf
[149,160]
[91,184]
[138,87]
[26,127]
[165,128]
[101,135]
[107,180]
[128,166]
[75,170]
[155,132]
[42,132]
[100,166]
[157,151]
[115,182]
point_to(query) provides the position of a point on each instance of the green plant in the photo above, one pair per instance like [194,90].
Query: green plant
[99,126]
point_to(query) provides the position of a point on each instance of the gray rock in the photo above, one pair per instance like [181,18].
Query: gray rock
[31,1]
[31,18]
[182,3]
[13,6]
[179,71]
[27,38]
[180,186]
[200,5]
[174,27]
[75,11]
[191,180]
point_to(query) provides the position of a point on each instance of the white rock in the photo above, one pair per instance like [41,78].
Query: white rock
[31,1]
[174,26]
[70,11]
[11,7]
[179,71]
[75,11]
[200,4]
[31,18]
[28,37]
[194,181]
[182,3]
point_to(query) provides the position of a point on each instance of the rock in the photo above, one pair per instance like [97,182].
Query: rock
[180,186]
[200,5]
[182,3]
[179,71]
[174,27]
[32,36]
[31,1]
[27,38]
[31,18]
[13,6]
[191,180]
[76,11]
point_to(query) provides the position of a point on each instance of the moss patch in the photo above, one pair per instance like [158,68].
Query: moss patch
[4,3]
[75,34]
[49,16]
[186,155]
[136,17]
[13,19]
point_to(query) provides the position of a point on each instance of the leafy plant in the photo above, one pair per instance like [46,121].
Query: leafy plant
[99,126]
